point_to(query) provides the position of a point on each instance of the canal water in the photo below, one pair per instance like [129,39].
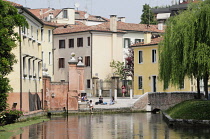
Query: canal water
[110,126]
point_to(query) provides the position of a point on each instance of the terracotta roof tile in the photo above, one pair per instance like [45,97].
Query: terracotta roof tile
[133,27]
[153,42]
[80,28]
[14,4]
[121,27]
[44,12]
[81,16]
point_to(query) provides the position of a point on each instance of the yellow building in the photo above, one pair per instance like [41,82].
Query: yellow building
[34,48]
[146,68]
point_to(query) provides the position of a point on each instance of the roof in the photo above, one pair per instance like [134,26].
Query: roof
[44,12]
[14,4]
[121,27]
[160,10]
[79,15]
[154,41]
[82,28]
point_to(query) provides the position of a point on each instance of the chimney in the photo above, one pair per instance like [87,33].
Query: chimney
[113,23]
[160,25]
[122,19]
[147,37]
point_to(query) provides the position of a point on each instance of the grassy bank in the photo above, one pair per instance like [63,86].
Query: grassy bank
[193,109]
[10,130]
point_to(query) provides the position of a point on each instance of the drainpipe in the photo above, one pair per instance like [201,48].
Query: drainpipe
[21,74]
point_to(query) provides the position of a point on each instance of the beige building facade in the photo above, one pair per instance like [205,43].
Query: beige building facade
[26,79]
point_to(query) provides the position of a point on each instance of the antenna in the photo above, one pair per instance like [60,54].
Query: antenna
[25,3]
[49,3]
[76,5]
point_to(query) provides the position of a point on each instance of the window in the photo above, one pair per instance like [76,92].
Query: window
[88,38]
[140,57]
[42,34]
[24,65]
[87,61]
[71,43]
[61,63]
[43,59]
[37,34]
[181,86]
[49,57]
[137,40]
[88,83]
[49,36]
[29,66]
[33,67]
[79,42]
[140,82]
[153,56]
[32,31]
[39,68]
[127,43]
[24,30]
[65,14]
[61,44]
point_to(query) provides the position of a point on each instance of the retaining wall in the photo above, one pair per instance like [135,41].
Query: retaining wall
[162,100]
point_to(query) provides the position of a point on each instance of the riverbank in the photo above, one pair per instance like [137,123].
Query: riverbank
[9,130]
[189,113]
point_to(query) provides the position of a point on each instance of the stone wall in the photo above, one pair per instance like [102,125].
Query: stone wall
[141,103]
[165,100]
[162,100]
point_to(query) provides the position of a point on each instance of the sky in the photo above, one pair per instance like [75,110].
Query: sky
[130,9]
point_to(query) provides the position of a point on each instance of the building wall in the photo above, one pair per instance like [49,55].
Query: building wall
[69,20]
[148,69]
[106,47]
[47,50]
[132,36]
[31,50]
[62,73]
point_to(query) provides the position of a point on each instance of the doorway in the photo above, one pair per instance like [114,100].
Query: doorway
[154,82]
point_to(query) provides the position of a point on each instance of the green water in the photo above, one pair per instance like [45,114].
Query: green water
[109,126]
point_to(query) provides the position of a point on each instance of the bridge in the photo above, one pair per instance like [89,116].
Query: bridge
[162,100]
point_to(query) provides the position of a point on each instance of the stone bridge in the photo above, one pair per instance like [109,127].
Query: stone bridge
[162,100]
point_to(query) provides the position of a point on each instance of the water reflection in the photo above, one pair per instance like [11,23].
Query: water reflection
[110,126]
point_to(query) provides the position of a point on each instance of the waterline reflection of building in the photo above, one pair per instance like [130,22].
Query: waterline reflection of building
[110,126]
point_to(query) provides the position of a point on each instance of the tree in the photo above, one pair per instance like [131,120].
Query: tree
[129,66]
[9,19]
[185,49]
[124,70]
[147,17]
[118,68]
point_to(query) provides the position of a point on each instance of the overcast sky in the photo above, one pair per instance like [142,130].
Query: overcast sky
[130,9]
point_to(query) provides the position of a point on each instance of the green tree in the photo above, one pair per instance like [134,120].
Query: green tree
[147,17]
[185,50]
[9,19]
[118,68]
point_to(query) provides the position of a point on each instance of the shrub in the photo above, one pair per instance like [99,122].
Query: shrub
[9,116]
